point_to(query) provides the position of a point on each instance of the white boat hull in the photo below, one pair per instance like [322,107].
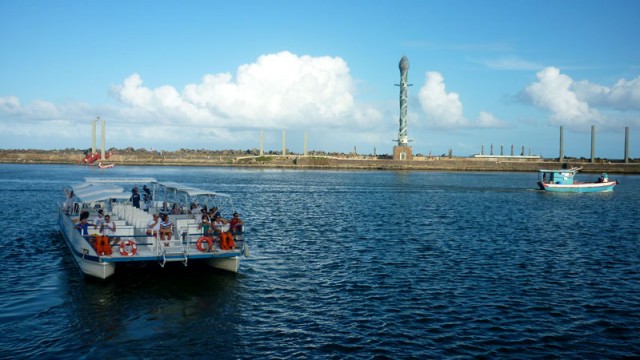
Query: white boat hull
[83,254]
[228,264]
[579,187]
[186,245]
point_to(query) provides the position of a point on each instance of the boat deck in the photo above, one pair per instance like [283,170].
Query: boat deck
[131,226]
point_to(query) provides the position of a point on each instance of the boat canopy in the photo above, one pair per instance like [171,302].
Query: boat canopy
[90,192]
[106,196]
[82,191]
[559,171]
[109,188]
[188,190]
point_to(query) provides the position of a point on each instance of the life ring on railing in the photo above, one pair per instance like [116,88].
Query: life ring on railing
[209,243]
[128,244]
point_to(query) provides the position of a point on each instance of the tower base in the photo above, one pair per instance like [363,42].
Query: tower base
[402,153]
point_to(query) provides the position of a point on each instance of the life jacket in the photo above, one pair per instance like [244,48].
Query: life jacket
[102,245]
[226,241]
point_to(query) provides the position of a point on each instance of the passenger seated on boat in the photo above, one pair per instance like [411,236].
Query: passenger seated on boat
[214,212]
[164,209]
[226,239]
[153,226]
[235,224]
[176,209]
[99,219]
[218,224]
[83,226]
[83,215]
[166,228]
[205,223]
[108,229]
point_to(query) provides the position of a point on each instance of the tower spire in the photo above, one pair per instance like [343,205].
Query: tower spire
[403,139]
[403,151]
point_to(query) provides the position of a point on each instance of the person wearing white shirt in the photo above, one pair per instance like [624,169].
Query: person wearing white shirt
[196,211]
[98,220]
[108,229]
[153,226]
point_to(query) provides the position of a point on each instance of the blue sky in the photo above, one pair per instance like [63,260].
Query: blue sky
[206,74]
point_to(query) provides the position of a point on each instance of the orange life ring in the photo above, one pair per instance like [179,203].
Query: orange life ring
[209,243]
[128,243]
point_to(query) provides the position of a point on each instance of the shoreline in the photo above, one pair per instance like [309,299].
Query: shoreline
[222,159]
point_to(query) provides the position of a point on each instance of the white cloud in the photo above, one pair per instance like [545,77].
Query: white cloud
[445,110]
[277,91]
[624,95]
[580,104]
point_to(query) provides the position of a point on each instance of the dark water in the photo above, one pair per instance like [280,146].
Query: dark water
[343,265]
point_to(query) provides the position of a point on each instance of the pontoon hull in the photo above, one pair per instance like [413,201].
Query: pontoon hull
[228,264]
[83,254]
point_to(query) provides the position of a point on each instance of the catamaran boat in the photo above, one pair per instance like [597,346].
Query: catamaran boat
[187,244]
[563,181]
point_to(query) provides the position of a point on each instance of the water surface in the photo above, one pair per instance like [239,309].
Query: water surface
[344,264]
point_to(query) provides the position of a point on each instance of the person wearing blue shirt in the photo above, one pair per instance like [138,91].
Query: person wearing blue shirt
[83,226]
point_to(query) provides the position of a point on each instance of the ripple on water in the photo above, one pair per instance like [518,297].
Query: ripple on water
[345,265]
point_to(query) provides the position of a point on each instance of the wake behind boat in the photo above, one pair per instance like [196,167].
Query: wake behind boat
[563,181]
[100,203]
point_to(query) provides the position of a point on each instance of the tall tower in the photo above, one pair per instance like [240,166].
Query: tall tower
[403,151]
[403,139]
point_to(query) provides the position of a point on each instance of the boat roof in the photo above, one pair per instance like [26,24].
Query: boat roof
[559,170]
[90,192]
[188,190]
[100,189]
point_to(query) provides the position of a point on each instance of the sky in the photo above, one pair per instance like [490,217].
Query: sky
[168,75]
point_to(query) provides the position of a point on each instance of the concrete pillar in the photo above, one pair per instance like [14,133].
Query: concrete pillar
[261,142]
[491,150]
[626,145]
[482,150]
[306,153]
[93,136]
[102,136]
[284,143]
[593,143]
[501,150]
[511,149]
[561,157]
